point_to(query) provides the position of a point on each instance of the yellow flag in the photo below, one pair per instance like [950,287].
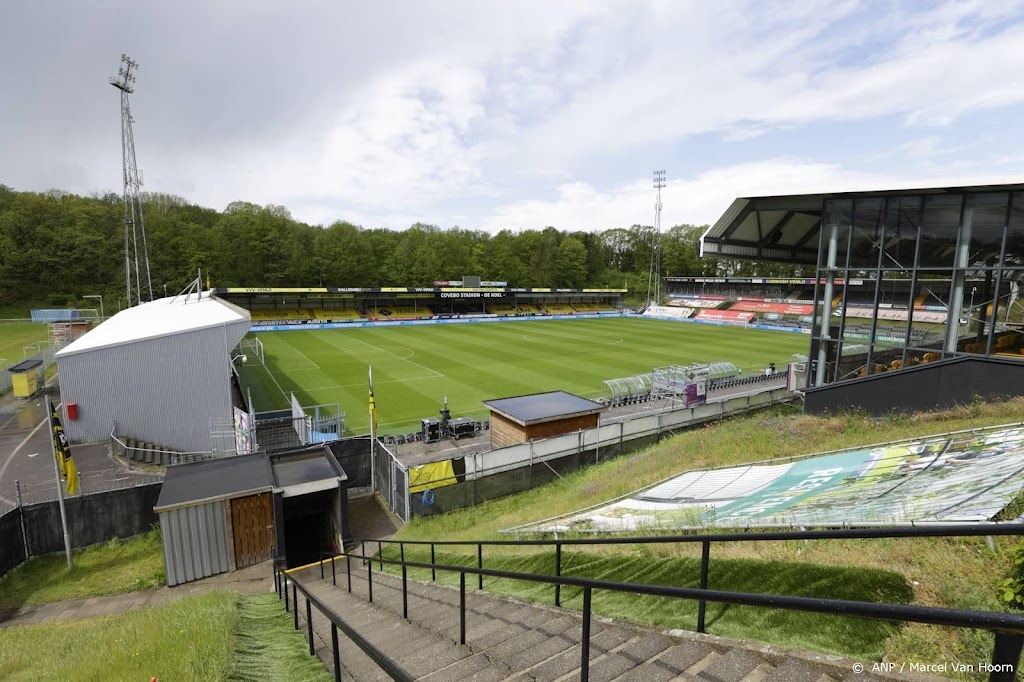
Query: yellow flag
[373,405]
[63,450]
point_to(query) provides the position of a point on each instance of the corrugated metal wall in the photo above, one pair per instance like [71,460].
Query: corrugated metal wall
[162,391]
[195,542]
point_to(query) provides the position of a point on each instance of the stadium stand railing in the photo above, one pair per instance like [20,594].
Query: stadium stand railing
[1006,628]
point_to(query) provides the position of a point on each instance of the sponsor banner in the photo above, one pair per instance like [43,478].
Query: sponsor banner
[965,478]
[893,314]
[780,308]
[725,316]
[664,312]
[706,302]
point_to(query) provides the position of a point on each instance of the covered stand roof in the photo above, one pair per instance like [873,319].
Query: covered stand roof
[163,317]
[786,228]
[212,480]
[527,410]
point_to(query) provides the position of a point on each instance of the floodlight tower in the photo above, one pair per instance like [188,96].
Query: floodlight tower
[654,275]
[135,251]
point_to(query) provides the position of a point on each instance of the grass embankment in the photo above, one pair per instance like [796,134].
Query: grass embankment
[218,636]
[111,568]
[956,573]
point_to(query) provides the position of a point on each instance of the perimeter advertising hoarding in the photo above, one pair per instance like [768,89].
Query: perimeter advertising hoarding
[967,478]
[724,315]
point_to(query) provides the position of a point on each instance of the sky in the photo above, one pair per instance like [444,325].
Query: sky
[494,115]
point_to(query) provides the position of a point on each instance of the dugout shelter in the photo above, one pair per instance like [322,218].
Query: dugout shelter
[541,415]
[940,271]
[161,371]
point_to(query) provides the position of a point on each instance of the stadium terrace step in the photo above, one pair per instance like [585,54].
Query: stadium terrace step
[507,639]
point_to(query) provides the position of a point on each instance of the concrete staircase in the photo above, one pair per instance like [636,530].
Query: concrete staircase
[508,639]
[148,453]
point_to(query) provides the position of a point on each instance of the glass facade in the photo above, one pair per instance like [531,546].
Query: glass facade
[944,269]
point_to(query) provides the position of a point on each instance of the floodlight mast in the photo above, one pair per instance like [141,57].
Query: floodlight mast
[654,275]
[134,226]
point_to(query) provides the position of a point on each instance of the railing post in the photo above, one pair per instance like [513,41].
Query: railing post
[369,579]
[295,605]
[433,571]
[585,643]
[362,550]
[337,656]
[558,573]
[321,568]
[705,557]
[277,585]
[462,607]
[334,572]
[309,625]
[380,553]
[405,585]
[480,565]
[285,581]
[1005,657]
[348,571]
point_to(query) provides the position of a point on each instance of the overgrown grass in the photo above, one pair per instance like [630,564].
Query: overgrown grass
[956,573]
[217,636]
[848,636]
[190,639]
[268,647]
[111,568]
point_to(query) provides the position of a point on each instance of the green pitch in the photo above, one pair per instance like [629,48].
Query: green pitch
[415,367]
[14,336]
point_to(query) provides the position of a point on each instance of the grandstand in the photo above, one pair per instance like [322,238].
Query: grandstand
[324,306]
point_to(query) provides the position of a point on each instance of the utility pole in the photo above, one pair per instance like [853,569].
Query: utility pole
[654,275]
[139,287]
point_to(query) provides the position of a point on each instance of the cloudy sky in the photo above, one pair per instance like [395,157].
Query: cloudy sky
[521,114]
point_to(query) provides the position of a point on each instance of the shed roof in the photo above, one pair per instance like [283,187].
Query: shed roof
[543,407]
[211,480]
[163,317]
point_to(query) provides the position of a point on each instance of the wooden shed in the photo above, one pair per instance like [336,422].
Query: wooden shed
[541,415]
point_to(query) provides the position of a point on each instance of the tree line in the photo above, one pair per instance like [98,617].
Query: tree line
[56,247]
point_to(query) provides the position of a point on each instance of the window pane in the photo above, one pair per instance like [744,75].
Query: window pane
[867,229]
[902,223]
[930,310]
[987,228]
[939,230]
[1015,235]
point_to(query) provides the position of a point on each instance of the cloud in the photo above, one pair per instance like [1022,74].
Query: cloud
[702,199]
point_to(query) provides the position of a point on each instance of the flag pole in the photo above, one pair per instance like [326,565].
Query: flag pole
[373,436]
[60,485]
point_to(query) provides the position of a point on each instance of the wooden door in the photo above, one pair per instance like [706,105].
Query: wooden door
[252,521]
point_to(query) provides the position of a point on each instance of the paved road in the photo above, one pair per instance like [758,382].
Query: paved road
[26,454]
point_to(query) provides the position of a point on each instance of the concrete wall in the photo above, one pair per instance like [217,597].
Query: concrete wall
[937,385]
[162,391]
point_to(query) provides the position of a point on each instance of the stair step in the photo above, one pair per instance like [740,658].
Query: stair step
[733,666]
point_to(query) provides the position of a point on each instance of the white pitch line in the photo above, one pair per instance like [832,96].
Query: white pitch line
[363,383]
[399,357]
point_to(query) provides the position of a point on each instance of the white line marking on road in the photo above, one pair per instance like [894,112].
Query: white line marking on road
[33,454]
[20,446]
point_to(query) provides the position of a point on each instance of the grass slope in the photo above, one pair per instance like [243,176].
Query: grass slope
[111,568]
[955,573]
[415,367]
[189,639]
[218,636]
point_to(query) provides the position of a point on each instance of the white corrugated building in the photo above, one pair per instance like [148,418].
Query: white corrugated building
[161,370]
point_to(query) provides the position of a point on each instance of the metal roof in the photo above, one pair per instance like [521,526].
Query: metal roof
[163,317]
[218,479]
[785,228]
[543,407]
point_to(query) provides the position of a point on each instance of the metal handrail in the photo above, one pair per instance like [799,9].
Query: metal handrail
[1008,628]
[281,580]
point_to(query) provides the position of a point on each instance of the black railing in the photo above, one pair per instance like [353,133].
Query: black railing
[282,581]
[1007,628]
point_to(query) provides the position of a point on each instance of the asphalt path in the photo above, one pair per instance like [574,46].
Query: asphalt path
[26,455]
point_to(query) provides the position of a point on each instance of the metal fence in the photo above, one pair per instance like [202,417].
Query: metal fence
[38,493]
[517,468]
